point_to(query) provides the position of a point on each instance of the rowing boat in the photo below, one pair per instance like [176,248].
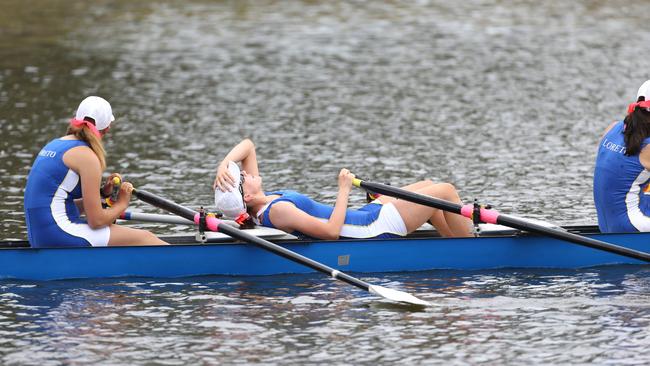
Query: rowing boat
[216,254]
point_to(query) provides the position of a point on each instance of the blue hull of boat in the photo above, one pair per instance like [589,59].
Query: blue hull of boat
[392,255]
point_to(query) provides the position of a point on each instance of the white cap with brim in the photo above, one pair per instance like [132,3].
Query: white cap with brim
[230,203]
[98,109]
[644,91]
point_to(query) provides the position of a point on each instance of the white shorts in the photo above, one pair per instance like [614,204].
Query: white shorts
[389,221]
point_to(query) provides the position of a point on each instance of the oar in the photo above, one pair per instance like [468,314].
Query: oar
[162,219]
[147,217]
[214,224]
[494,217]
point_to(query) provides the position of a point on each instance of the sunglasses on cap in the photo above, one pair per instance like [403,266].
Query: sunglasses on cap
[241,188]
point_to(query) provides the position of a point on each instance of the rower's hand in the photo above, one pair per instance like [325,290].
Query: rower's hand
[224,180]
[345,180]
[126,190]
[107,189]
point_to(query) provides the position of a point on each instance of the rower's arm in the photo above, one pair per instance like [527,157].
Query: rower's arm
[84,162]
[243,153]
[80,205]
[288,217]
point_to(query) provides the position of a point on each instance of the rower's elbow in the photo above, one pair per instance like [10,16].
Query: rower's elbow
[95,224]
[332,235]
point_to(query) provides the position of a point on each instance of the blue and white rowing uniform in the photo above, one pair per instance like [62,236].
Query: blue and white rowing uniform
[53,219]
[373,220]
[620,185]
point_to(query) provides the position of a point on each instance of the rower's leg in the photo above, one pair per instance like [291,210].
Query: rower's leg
[122,235]
[411,187]
[447,223]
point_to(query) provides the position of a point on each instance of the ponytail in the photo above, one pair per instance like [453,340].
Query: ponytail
[84,133]
[637,129]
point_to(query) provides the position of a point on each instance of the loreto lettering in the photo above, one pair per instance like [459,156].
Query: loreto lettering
[47,153]
[613,147]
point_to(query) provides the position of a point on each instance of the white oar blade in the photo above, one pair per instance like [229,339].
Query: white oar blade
[397,296]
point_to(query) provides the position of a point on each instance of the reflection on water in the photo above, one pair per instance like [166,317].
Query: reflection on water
[496,317]
[506,99]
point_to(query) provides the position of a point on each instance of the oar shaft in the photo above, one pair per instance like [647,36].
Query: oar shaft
[165,204]
[409,196]
[571,237]
[293,256]
[148,217]
[493,216]
[218,225]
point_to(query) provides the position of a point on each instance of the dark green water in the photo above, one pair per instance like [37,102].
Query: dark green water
[505,99]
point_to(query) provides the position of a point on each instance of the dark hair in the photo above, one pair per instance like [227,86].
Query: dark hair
[637,129]
[247,224]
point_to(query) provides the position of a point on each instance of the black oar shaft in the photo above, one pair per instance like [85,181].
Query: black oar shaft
[283,252]
[571,237]
[165,204]
[189,214]
[411,196]
[505,220]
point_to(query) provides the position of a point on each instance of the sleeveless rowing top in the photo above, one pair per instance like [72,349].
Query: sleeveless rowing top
[369,221]
[620,185]
[52,187]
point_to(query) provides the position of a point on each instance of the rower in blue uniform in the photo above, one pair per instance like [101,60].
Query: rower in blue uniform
[373,220]
[64,183]
[239,195]
[622,172]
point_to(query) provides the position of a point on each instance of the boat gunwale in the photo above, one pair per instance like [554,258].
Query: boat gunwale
[187,240]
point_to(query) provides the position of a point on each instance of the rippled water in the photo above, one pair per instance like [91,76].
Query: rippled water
[498,317]
[506,99]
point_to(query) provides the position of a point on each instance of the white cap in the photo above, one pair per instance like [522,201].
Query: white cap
[644,91]
[230,203]
[98,109]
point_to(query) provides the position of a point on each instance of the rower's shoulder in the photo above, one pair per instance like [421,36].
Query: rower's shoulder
[80,156]
[609,128]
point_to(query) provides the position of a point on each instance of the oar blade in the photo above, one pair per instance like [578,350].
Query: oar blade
[397,296]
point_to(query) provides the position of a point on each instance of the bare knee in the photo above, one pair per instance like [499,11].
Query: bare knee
[150,238]
[146,237]
[445,190]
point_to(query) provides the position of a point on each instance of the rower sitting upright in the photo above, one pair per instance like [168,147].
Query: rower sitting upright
[622,173]
[64,182]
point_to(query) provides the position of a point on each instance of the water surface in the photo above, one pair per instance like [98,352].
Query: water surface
[505,99]
[499,317]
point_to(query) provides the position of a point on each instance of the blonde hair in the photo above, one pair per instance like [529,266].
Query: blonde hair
[84,133]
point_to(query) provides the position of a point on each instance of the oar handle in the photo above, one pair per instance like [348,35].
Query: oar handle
[112,198]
